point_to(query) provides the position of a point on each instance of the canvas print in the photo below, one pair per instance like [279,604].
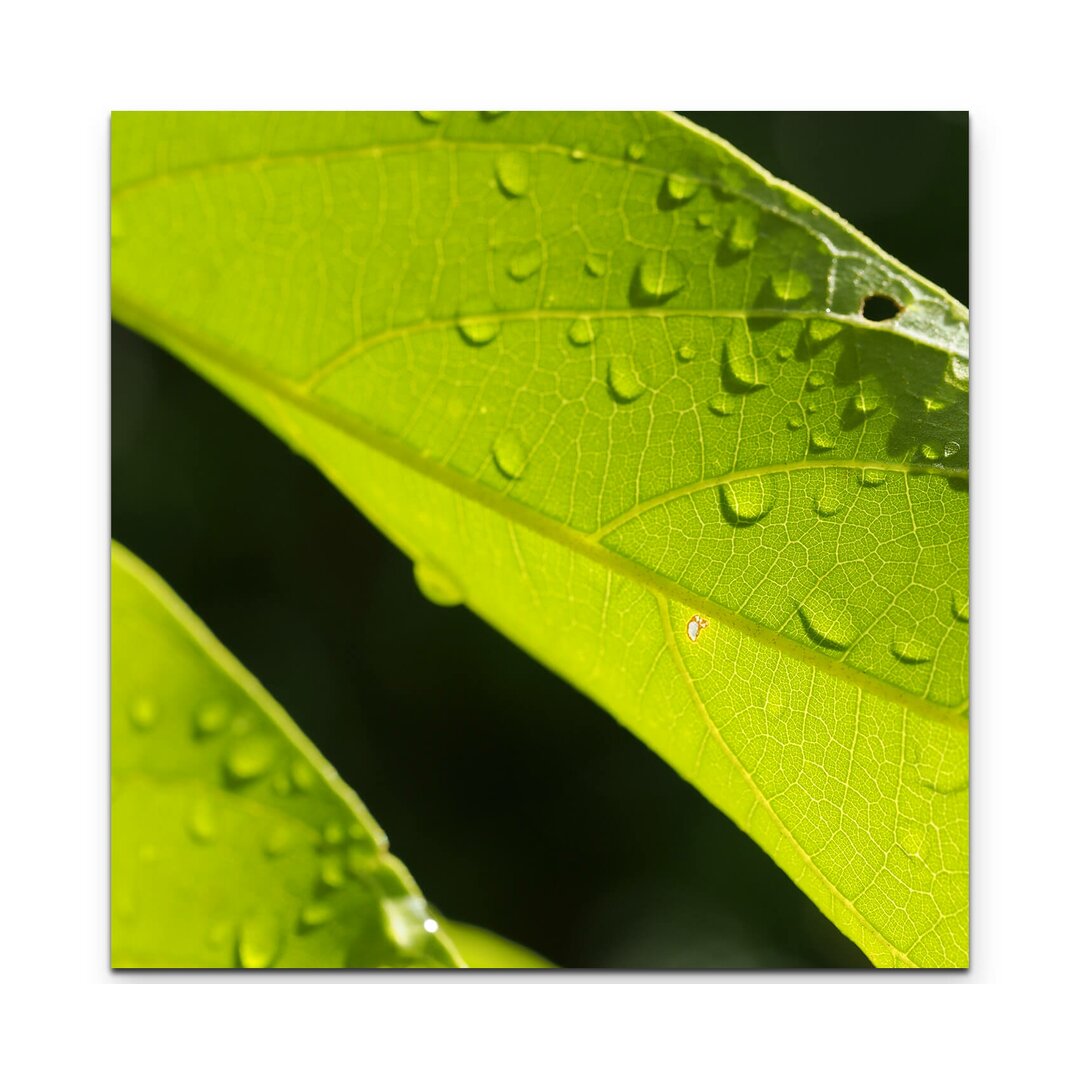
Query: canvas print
[540,540]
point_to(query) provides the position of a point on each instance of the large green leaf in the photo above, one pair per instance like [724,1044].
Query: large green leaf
[611,385]
[234,842]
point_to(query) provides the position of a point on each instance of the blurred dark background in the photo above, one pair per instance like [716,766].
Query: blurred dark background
[516,803]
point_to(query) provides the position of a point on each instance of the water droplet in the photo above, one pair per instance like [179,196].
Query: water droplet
[909,650]
[315,914]
[829,502]
[722,404]
[431,926]
[578,152]
[437,584]
[815,380]
[795,422]
[827,622]
[478,331]
[581,332]
[249,758]
[277,841]
[509,453]
[525,263]
[596,265]
[680,189]
[512,173]
[864,403]
[873,477]
[746,501]
[432,117]
[212,718]
[820,330]
[333,834]
[952,448]
[686,352]
[143,713]
[743,235]
[745,372]
[623,379]
[911,841]
[635,151]
[360,858]
[493,114]
[694,627]
[797,202]
[303,775]
[703,221]
[784,354]
[332,871]
[932,451]
[404,918]
[933,405]
[958,371]
[822,439]
[661,275]
[259,941]
[790,284]
[960,606]
[202,822]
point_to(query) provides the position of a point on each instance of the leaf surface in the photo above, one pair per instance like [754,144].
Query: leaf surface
[610,384]
[234,842]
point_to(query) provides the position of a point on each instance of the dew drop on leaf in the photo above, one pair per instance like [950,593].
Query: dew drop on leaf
[596,265]
[581,332]
[932,451]
[478,331]
[703,221]
[436,584]
[512,173]
[722,404]
[960,608]
[277,841]
[815,380]
[864,402]
[332,871]
[404,918]
[743,235]
[212,718]
[790,284]
[745,372]
[315,914]
[746,501]
[259,941]
[873,477]
[509,453]
[578,152]
[623,380]
[635,151]
[821,439]
[202,822]
[525,264]
[333,834]
[249,758]
[661,275]
[680,189]
[821,330]
[827,623]
[909,650]
[686,352]
[143,713]
[302,774]
[431,117]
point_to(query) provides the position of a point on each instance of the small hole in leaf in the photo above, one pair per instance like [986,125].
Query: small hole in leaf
[879,308]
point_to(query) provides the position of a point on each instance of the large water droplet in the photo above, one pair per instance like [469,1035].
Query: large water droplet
[596,265]
[932,451]
[744,372]
[143,713]
[259,941]
[430,117]
[960,607]
[703,221]
[827,622]
[873,477]
[820,330]
[746,501]
[815,380]
[249,758]
[478,331]
[722,404]
[212,719]
[578,152]
[686,352]
[581,332]
[510,455]
[437,584]
[635,151]
[910,650]
[821,439]
[623,380]
[660,275]
[512,173]
[680,189]
[202,821]
[404,918]
[525,263]
[743,235]
[790,284]
[864,403]
[315,914]
[831,499]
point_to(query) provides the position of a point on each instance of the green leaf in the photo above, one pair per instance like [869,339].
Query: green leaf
[609,383]
[483,949]
[234,842]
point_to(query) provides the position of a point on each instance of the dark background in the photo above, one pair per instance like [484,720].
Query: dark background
[516,803]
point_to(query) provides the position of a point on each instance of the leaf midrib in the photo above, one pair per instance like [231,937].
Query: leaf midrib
[169,330]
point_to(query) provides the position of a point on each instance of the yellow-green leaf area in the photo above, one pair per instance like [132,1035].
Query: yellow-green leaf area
[316,267]
[234,843]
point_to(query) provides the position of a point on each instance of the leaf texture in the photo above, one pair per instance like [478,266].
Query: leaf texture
[611,385]
[234,843]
